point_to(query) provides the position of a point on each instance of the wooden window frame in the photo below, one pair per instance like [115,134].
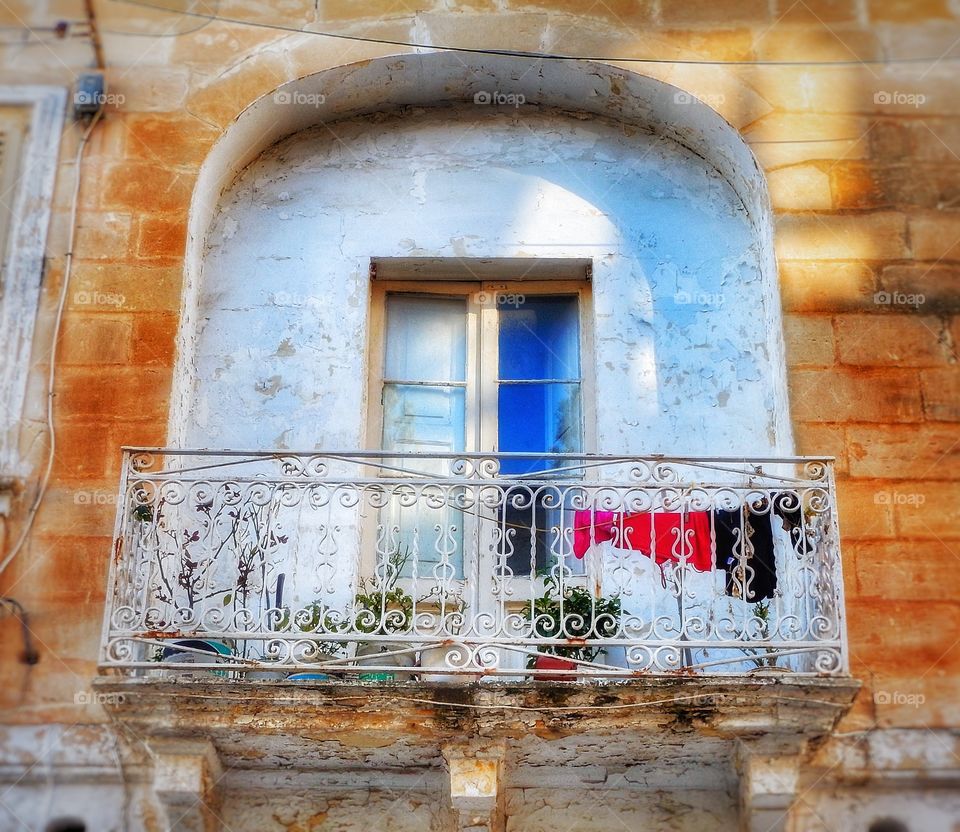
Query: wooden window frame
[482,358]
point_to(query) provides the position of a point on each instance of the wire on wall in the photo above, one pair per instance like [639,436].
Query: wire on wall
[546,56]
[52,369]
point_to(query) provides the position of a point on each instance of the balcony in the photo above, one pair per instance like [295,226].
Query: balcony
[388,568]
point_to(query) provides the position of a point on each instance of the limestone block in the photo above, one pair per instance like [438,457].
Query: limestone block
[846,395]
[826,286]
[800,188]
[941,394]
[473,783]
[896,340]
[876,236]
[809,340]
[931,450]
[935,236]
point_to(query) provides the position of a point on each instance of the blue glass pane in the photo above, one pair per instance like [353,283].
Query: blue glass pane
[536,418]
[539,337]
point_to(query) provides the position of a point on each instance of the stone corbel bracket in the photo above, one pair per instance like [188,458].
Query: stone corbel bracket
[476,787]
[769,780]
[185,777]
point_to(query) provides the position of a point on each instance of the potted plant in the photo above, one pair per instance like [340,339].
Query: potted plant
[382,608]
[575,614]
[212,556]
[312,618]
[764,659]
[380,613]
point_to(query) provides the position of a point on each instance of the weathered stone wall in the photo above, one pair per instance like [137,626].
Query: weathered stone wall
[680,362]
[863,166]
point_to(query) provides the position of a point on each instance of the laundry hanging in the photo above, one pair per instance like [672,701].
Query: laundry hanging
[745,552]
[740,542]
[664,535]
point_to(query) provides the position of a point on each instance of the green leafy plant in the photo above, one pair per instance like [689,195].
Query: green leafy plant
[577,614]
[767,657]
[380,607]
[315,618]
[382,613]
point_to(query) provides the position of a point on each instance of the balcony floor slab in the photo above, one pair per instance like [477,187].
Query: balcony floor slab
[354,732]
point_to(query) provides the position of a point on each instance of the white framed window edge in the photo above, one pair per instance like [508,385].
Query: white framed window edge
[27,242]
[376,340]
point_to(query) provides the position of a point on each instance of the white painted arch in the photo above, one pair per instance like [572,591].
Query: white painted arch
[441,79]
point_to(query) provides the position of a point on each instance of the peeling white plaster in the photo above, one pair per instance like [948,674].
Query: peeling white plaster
[682,362]
[641,106]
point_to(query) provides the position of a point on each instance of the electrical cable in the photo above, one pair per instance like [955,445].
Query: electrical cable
[224,694]
[30,655]
[52,371]
[546,56]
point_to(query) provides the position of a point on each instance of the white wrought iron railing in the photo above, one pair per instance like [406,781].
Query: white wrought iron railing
[388,566]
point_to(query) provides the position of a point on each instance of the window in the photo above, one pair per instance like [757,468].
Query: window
[488,368]
[31,121]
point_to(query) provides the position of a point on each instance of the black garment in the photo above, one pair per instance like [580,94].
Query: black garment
[751,565]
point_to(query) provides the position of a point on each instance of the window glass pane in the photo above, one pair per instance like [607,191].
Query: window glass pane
[535,418]
[434,555]
[539,337]
[423,419]
[426,338]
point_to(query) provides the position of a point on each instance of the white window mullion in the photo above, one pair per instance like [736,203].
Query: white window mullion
[488,369]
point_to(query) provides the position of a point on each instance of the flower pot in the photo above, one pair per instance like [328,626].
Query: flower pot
[309,677]
[174,653]
[264,675]
[372,650]
[768,669]
[554,663]
[437,657]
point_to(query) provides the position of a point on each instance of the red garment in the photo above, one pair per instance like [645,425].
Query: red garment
[673,535]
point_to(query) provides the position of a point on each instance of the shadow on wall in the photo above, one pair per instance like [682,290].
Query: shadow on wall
[670,239]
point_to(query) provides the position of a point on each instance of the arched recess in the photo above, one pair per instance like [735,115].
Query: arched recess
[639,105]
